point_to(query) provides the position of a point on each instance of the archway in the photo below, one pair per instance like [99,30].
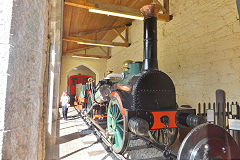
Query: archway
[80,68]
[83,66]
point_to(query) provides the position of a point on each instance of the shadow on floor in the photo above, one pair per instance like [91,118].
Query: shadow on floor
[73,117]
[77,151]
[70,126]
[72,136]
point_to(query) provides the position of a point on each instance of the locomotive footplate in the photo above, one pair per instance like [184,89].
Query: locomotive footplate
[104,137]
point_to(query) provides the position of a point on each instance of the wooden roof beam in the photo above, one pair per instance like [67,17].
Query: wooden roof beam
[100,30]
[92,4]
[79,3]
[95,42]
[86,56]
[79,49]
[120,35]
[107,52]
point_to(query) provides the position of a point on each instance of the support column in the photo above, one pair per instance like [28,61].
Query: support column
[55,34]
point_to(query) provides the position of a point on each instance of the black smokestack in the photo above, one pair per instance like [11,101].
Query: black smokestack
[150,36]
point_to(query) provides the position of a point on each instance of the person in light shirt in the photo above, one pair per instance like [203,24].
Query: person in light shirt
[65,99]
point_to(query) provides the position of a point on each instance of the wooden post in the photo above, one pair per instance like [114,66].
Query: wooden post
[221,104]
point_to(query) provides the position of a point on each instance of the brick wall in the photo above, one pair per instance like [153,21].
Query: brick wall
[199,49]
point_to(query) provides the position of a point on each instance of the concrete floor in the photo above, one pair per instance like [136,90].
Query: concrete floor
[75,141]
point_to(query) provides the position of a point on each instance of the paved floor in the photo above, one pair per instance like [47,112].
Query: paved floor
[75,141]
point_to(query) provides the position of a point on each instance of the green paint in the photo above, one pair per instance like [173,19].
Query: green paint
[134,69]
[82,92]
[97,95]
[89,104]
[115,124]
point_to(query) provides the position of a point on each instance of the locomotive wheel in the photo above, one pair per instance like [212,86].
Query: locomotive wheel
[208,141]
[117,126]
[89,104]
[158,136]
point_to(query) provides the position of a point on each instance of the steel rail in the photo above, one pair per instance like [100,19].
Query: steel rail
[101,133]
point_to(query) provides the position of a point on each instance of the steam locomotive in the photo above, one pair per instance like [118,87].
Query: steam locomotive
[73,81]
[143,102]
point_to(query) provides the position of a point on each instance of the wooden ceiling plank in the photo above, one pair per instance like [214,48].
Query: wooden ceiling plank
[77,18]
[109,35]
[123,9]
[115,8]
[77,39]
[87,21]
[92,4]
[66,23]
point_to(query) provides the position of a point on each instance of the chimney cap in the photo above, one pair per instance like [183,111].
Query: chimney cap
[150,10]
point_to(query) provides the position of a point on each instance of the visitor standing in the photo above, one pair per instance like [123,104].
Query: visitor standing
[65,99]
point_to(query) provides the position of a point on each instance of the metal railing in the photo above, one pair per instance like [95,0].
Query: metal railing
[222,113]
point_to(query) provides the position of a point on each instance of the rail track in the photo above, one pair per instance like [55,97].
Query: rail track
[138,147]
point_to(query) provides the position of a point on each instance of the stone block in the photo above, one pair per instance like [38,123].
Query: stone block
[28,33]
[21,143]
[22,66]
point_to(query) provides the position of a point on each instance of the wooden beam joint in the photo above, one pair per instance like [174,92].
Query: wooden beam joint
[92,4]
[85,56]
[82,33]
[95,42]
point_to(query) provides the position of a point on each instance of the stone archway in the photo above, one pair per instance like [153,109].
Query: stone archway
[82,70]
[66,71]
[87,66]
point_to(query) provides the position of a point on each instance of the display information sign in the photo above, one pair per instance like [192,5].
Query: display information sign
[210,115]
[234,124]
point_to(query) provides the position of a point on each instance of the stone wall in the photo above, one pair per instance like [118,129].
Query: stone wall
[23,61]
[5,23]
[199,49]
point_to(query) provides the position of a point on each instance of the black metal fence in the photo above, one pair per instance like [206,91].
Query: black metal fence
[231,111]
[224,114]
